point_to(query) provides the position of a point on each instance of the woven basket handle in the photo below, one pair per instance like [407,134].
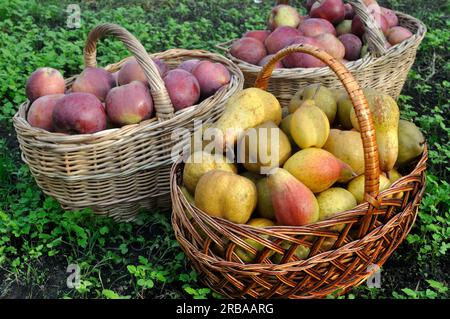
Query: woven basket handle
[363,114]
[161,100]
[374,36]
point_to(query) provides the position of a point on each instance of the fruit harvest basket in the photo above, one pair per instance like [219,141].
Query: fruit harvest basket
[118,171]
[341,251]
[384,68]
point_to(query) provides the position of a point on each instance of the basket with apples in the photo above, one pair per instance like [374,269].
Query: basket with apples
[106,138]
[375,43]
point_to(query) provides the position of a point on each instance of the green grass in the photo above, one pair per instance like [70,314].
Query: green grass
[38,240]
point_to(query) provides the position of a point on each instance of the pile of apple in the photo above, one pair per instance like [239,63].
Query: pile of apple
[313,171]
[330,25]
[99,99]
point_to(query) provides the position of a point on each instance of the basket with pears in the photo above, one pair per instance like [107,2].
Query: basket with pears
[298,202]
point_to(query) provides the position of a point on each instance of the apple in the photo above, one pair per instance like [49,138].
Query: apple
[303,60]
[279,38]
[260,35]
[132,71]
[352,45]
[331,10]
[211,77]
[129,104]
[189,65]
[278,65]
[332,45]
[183,88]
[41,110]
[97,81]
[314,26]
[249,50]
[398,34]
[390,17]
[79,112]
[44,81]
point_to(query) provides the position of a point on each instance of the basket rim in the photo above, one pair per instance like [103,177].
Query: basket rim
[236,83]
[352,66]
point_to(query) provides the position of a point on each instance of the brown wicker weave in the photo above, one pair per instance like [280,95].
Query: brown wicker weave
[372,229]
[119,171]
[381,69]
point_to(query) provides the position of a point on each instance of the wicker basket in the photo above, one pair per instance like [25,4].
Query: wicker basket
[118,171]
[337,261]
[381,69]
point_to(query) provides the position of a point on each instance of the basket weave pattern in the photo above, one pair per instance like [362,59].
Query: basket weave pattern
[337,260]
[381,69]
[119,171]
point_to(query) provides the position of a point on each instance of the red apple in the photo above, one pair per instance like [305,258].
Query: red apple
[303,60]
[331,10]
[349,12]
[183,88]
[189,65]
[132,71]
[358,26]
[249,50]
[332,45]
[390,17]
[398,34]
[352,45]
[278,65]
[312,27]
[279,38]
[44,81]
[260,35]
[40,112]
[96,81]
[79,113]
[129,104]
[283,15]
[211,77]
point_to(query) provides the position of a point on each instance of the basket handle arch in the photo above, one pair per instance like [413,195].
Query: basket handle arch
[161,100]
[373,35]
[363,114]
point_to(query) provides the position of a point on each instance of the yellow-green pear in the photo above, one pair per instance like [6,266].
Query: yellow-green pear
[309,126]
[344,108]
[263,147]
[348,147]
[321,95]
[386,115]
[265,206]
[393,175]
[356,187]
[247,109]
[410,142]
[335,200]
[246,255]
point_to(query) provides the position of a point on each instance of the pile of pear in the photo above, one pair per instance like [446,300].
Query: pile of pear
[318,169]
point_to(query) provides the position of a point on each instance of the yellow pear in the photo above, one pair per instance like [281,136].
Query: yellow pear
[227,195]
[348,147]
[410,142]
[386,115]
[285,126]
[263,147]
[265,206]
[309,126]
[246,255]
[321,95]
[335,200]
[188,195]
[393,175]
[318,169]
[200,163]
[247,109]
[339,94]
[356,187]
